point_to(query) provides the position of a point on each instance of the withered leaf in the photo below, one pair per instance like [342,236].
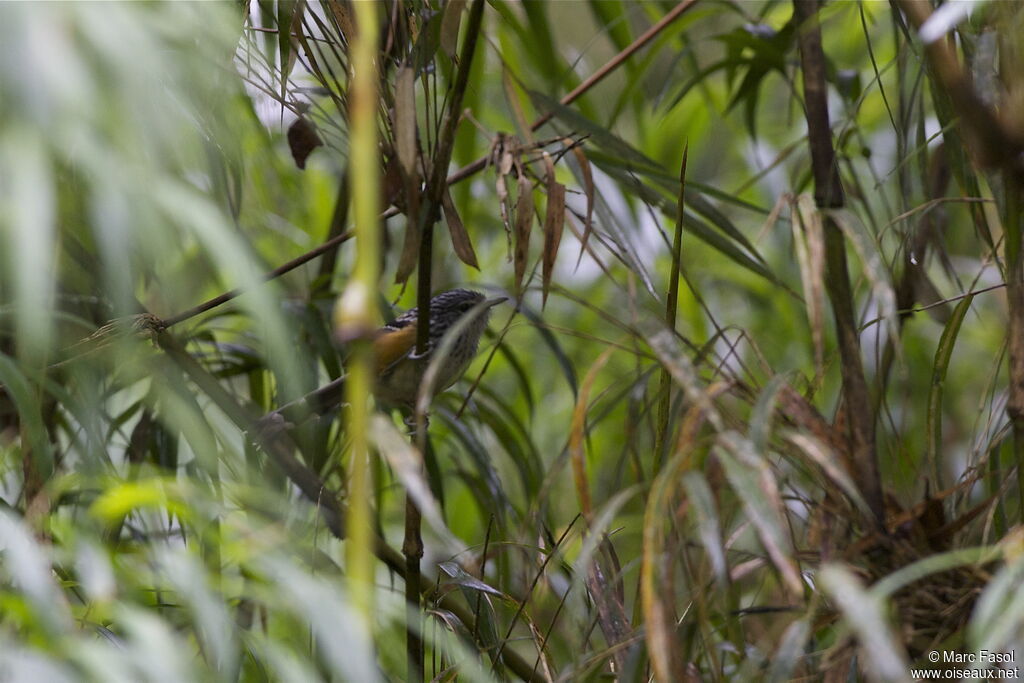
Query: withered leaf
[554,223]
[302,140]
[501,189]
[524,223]
[460,238]
[405,119]
[498,158]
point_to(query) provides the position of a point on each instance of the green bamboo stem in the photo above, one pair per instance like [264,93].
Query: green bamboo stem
[357,309]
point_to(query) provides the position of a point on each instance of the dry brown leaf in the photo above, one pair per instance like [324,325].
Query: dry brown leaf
[302,140]
[460,238]
[508,159]
[502,161]
[501,189]
[407,153]
[554,223]
[405,120]
[524,223]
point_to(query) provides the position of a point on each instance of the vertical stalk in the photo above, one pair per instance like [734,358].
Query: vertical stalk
[412,545]
[357,309]
[828,194]
[671,305]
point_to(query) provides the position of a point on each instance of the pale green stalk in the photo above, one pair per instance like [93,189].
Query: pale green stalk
[356,314]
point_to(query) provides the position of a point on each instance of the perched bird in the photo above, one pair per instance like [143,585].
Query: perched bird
[400,371]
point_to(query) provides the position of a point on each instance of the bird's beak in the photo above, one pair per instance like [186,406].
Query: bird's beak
[495,301]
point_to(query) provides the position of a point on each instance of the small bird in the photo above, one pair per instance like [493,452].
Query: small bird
[400,370]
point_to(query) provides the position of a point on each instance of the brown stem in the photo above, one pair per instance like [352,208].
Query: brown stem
[429,213]
[828,194]
[412,549]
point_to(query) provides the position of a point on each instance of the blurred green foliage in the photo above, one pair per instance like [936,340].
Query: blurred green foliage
[146,532]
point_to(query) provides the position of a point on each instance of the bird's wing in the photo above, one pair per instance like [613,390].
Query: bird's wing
[391,345]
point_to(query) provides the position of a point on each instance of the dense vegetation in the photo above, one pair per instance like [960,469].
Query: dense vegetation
[754,409]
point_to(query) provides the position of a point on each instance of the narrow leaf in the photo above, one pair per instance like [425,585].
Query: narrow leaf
[588,191]
[461,577]
[943,354]
[554,223]
[702,501]
[825,458]
[450,26]
[866,614]
[809,242]
[523,225]
[751,478]
[457,229]
[874,268]
[522,125]
[577,452]
[405,119]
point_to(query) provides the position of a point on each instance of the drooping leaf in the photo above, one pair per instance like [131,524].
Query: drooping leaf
[554,222]
[460,237]
[450,26]
[523,227]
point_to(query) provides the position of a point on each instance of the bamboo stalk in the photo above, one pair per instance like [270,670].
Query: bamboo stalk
[828,194]
[357,309]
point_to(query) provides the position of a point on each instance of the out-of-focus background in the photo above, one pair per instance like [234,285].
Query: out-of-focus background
[654,468]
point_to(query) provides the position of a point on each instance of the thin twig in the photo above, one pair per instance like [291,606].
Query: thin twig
[276,273]
[595,78]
